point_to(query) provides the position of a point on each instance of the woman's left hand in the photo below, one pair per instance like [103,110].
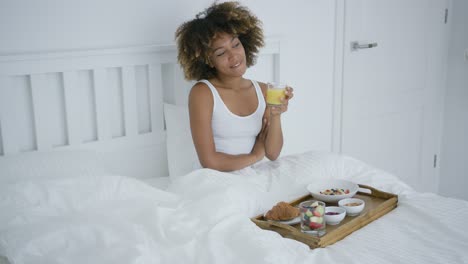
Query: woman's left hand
[283,107]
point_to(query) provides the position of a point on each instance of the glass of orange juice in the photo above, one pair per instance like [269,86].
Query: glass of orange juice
[275,92]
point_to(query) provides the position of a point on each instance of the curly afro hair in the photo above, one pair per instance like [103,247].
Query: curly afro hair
[194,37]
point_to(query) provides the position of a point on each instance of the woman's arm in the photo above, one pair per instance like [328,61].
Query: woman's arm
[201,111]
[274,137]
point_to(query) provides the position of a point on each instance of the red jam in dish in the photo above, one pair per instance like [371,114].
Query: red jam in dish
[332,213]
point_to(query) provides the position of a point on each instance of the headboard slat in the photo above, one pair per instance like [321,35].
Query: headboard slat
[129,100]
[72,112]
[155,85]
[8,121]
[101,103]
[181,86]
[39,91]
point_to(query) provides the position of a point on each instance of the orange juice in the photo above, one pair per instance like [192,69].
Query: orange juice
[275,93]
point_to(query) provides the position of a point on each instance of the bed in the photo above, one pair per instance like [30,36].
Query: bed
[96,168]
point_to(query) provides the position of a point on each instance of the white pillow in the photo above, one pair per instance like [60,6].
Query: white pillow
[181,154]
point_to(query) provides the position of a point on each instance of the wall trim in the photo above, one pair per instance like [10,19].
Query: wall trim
[337,103]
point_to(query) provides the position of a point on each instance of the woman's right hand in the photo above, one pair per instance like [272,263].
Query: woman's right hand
[259,148]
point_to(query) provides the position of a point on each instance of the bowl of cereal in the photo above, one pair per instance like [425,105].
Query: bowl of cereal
[332,190]
[353,206]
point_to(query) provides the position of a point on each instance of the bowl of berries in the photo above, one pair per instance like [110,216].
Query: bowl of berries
[332,190]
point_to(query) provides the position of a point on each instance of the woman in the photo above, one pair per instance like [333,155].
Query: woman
[232,127]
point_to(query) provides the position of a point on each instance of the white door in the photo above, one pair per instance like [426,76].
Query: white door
[390,108]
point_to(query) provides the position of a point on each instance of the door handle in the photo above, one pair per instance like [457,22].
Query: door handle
[355,46]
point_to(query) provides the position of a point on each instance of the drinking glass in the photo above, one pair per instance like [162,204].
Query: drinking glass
[312,217]
[275,92]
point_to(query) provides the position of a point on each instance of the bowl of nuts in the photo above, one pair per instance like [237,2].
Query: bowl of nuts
[353,206]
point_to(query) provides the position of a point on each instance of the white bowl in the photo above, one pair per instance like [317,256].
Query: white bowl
[352,210]
[334,219]
[316,188]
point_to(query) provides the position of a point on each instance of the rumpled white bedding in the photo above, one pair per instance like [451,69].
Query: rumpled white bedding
[204,217]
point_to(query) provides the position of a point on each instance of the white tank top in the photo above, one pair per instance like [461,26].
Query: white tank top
[234,134]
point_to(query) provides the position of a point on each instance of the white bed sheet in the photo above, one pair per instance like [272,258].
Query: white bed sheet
[204,217]
[158,182]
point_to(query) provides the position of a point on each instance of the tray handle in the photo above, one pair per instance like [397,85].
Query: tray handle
[375,192]
[367,187]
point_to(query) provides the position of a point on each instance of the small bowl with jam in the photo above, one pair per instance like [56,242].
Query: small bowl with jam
[353,206]
[334,215]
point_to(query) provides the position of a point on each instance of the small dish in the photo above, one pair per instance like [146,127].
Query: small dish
[334,215]
[353,206]
[295,220]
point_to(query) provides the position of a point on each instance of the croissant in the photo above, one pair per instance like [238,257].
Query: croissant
[282,211]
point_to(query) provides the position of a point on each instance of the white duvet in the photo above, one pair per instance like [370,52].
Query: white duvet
[204,217]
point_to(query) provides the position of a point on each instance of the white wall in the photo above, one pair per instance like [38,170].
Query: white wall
[30,25]
[454,160]
[304,28]
[306,31]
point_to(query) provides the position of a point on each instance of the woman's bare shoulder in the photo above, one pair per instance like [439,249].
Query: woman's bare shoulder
[200,93]
[200,89]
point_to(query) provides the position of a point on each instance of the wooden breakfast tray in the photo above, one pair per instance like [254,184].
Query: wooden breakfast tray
[378,203]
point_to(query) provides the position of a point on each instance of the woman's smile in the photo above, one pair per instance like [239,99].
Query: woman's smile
[236,65]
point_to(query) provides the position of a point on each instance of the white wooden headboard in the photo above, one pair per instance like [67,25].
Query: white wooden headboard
[108,100]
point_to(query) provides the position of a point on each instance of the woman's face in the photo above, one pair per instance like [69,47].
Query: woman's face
[228,56]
